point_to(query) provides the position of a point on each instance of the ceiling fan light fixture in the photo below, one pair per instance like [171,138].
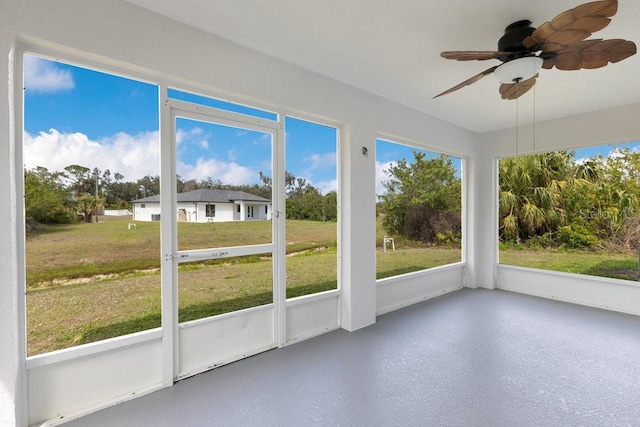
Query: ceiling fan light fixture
[519,69]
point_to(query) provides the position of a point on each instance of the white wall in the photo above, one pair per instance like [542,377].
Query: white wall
[145,214]
[396,292]
[224,212]
[116,212]
[120,37]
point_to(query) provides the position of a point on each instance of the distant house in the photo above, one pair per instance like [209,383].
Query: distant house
[206,205]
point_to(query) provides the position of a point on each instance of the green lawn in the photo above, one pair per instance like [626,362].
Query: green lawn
[596,263]
[408,260]
[62,252]
[88,282]
[92,281]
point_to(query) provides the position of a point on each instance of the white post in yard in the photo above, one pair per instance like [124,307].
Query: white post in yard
[386,240]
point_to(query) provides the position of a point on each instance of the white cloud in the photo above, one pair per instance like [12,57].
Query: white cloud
[265,137]
[186,137]
[615,153]
[204,144]
[581,160]
[44,76]
[321,161]
[381,176]
[228,173]
[327,186]
[133,156]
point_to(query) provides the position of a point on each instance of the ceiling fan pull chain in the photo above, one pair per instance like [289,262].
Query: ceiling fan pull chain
[534,118]
[517,112]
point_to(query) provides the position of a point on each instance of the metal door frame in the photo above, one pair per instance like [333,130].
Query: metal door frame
[171,257]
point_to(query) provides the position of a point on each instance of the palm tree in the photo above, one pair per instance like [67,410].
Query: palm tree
[530,200]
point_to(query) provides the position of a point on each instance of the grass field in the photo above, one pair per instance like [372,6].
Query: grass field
[595,263]
[87,282]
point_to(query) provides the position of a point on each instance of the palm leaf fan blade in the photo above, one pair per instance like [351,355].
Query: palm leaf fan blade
[516,90]
[475,55]
[590,54]
[573,25]
[468,81]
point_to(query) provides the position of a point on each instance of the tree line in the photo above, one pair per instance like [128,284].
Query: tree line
[545,200]
[79,192]
[551,199]
[548,199]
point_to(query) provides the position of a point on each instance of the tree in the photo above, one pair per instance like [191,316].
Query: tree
[47,201]
[120,194]
[616,198]
[149,185]
[422,198]
[330,206]
[80,179]
[87,206]
[576,204]
[530,200]
[305,203]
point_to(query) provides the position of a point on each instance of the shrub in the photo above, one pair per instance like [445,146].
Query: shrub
[576,237]
[446,238]
[546,240]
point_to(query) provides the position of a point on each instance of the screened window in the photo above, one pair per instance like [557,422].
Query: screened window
[572,211]
[418,211]
[88,276]
[210,211]
[311,187]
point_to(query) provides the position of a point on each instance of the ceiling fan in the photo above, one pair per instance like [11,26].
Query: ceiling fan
[561,43]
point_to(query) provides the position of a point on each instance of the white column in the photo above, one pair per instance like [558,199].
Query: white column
[469,226]
[485,220]
[13,404]
[357,227]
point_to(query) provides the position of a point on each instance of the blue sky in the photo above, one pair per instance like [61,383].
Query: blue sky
[79,116]
[604,150]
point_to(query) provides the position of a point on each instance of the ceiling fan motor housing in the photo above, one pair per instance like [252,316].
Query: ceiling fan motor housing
[513,37]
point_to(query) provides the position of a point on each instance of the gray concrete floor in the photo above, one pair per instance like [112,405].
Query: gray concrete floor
[471,358]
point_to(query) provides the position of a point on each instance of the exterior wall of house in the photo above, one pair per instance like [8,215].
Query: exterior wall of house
[197,212]
[257,211]
[150,212]
[223,213]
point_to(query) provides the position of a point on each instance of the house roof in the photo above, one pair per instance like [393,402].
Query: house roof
[209,195]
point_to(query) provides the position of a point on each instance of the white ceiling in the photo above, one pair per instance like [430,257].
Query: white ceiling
[392,48]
